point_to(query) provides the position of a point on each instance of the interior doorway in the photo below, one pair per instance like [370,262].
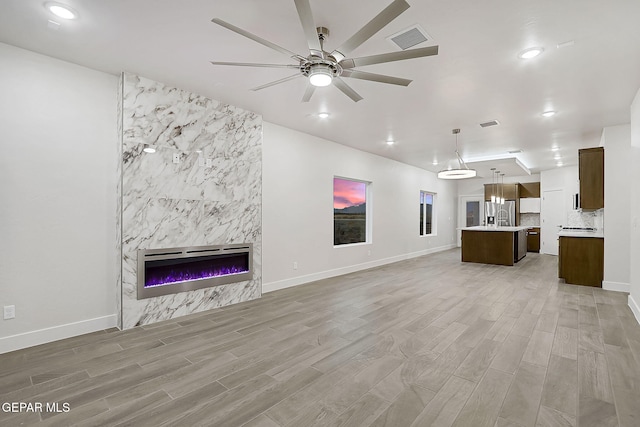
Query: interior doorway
[552,217]
[470,213]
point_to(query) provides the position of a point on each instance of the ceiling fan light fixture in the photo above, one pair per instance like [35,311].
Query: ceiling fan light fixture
[320,75]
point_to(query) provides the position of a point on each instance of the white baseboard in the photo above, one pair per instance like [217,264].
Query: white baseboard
[300,280]
[616,286]
[55,333]
[635,307]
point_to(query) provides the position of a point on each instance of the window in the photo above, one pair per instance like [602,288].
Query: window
[349,211]
[427,225]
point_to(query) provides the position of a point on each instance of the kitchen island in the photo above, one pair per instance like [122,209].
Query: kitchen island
[494,245]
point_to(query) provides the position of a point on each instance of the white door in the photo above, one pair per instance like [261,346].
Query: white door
[470,213]
[552,216]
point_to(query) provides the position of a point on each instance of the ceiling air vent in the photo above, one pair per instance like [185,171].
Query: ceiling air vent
[491,123]
[409,37]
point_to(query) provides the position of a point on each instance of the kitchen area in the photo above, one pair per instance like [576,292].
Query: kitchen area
[510,227]
[513,220]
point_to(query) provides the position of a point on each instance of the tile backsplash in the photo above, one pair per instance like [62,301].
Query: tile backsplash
[593,219]
[530,219]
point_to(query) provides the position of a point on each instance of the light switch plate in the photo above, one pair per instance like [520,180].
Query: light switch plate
[176,158]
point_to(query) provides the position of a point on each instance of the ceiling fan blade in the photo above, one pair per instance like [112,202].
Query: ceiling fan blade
[389,57]
[309,27]
[346,89]
[256,38]
[355,74]
[286,79]
[308,93]
[251,64]
[390,13]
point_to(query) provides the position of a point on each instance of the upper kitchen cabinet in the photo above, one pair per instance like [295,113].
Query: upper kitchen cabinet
[591,171]
[529,190]
[510,191]
[530,205]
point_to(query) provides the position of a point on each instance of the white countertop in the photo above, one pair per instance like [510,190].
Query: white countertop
[500,228]
[599,234]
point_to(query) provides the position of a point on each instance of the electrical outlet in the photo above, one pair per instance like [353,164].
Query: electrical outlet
[209,163]
[176,158]
[9,312]
[295,265]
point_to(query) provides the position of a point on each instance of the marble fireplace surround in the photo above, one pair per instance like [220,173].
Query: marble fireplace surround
[211,196]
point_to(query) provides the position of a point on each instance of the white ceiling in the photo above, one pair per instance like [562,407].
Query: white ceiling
[476,77]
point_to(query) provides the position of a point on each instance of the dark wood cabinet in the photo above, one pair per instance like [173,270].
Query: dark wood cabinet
[581,260]
[533,240]
[510,191]
[529,189]
[591,172]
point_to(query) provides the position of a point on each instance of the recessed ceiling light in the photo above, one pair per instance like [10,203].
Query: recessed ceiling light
[435,163]
[390,142]
[555,148]
[323,115]
[61,10]
[530,53]
[149,149]
[557,157]
[559,164]
[549,113]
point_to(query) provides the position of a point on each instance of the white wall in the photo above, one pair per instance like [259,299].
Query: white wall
[634,178]
[58,198]
[298,171]
[616,141]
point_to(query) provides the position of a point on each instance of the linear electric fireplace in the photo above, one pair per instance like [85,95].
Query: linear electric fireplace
[169,271]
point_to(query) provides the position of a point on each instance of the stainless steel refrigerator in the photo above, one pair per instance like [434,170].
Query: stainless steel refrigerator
[500,215]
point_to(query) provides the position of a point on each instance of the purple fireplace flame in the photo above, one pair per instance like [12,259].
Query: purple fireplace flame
[160,273]
[168,271]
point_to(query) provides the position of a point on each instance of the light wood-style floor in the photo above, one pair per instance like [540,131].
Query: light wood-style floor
[424,342]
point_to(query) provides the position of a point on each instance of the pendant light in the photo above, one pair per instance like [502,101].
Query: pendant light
[493,185]
[502,190]
[462,171]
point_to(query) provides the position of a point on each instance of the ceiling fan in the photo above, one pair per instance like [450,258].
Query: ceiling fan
[323,68]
